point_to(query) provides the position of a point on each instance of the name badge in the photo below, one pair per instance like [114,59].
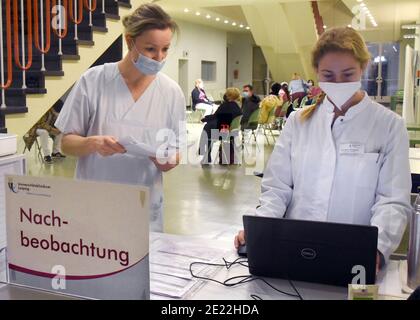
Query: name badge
[352,148]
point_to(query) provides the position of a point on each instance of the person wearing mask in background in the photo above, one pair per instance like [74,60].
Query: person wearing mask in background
[344,159]
[297,88]
[222,118]
[313,92]
[284,95]
[129,98]
[250,103]
[200,101]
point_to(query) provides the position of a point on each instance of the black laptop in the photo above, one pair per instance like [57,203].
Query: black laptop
[312,251]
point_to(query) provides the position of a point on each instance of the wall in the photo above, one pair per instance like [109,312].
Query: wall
[240,57]
[38,104]
[200,43]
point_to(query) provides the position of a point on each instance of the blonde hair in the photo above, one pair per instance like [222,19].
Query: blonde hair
[147,17]
[337,40]
[197,82]
[233,94]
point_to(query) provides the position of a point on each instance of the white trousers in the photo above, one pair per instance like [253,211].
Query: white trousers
[208,108]
[44,138]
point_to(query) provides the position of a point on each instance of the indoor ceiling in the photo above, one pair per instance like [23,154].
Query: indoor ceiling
[388,14]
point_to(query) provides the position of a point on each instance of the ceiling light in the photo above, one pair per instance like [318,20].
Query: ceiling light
[241,26]
[217,19]
[234,24]
[208,16]
[410,26]
[325,27]
[226,21]
[411,36]
[349,25]
[197,13]
[186,10]
[248,28]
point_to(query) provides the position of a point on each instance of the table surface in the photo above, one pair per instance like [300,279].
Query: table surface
[388,279]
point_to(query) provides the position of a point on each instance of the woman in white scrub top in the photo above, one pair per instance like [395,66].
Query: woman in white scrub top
[344,159]
[128,98]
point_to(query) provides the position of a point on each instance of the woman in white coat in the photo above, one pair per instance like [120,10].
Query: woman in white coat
[344,159]
[130,98]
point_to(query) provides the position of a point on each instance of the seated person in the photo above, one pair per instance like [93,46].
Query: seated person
[200,101]
[267,105]
[313,92]
[250,103]
[221,119]
[45,128]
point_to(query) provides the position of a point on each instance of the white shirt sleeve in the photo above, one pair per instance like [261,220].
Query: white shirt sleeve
[76,114]
[277,183]
[392,205]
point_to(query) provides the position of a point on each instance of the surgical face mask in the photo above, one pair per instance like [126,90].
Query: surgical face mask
[340,93]
[245,94]
[146,65]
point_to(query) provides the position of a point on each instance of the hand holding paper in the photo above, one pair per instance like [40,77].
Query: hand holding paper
[136,148]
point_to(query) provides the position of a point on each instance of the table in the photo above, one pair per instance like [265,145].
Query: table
[389,279]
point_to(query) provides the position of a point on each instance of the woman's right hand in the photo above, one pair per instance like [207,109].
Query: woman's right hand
[240,239]
[105,145]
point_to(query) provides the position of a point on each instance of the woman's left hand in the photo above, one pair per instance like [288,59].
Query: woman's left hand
[165,165]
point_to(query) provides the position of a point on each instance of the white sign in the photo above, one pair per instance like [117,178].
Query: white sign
[93,235]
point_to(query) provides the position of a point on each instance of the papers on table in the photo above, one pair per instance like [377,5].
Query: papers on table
[391,281]
[170,274]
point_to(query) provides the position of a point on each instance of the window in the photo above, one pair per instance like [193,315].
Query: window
[381,76]
[208,70]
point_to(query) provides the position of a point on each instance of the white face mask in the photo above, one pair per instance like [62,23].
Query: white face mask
[340,93]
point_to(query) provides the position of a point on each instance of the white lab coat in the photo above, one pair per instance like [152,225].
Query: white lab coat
[311,174]
[101,104]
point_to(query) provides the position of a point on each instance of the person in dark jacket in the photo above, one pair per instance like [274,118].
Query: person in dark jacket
[219,121]
[250,103]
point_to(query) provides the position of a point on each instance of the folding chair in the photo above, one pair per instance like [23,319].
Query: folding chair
[38,149]
[225,138]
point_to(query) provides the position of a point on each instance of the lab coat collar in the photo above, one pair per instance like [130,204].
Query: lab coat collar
[353,111]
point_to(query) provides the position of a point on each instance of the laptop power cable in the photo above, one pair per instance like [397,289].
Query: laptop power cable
[237,280]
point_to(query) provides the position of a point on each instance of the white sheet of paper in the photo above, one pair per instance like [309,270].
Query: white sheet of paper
[136,148]
[169,286]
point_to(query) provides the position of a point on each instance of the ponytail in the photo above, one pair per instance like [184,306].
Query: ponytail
[307,113]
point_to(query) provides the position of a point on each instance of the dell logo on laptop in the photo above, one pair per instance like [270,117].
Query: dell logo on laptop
[308,253]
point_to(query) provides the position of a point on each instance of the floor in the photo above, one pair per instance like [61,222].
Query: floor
[197,198]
